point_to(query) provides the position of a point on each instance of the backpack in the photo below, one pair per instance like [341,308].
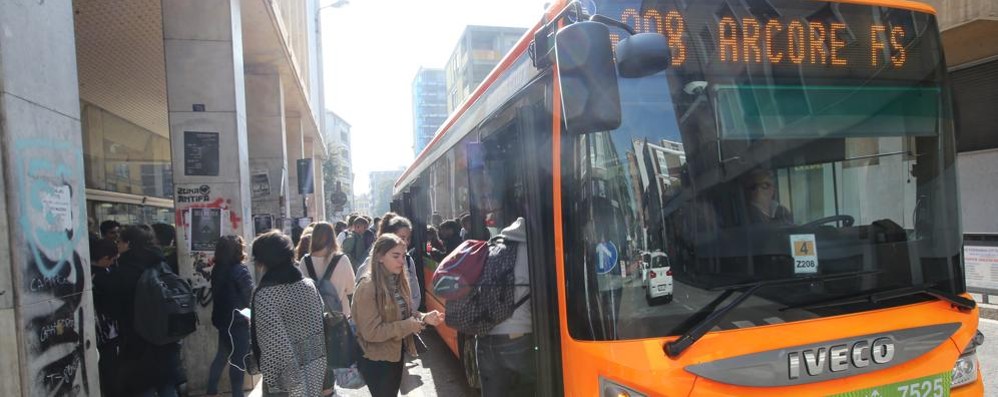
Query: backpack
[341,344]
[460,270]
[490,301]
[330,297]
[356,248]
[164,306]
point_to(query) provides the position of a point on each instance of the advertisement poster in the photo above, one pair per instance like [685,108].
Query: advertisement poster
[260,184]
[200,153]
[206,228]
[286,224]
[262,223]
[981,264]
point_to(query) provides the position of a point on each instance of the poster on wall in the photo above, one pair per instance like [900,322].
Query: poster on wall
[285,224]
[262,223]
[200,153]
[981,263]
[206,228]
[260,184]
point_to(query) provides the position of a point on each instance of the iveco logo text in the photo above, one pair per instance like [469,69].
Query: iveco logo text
[842,357]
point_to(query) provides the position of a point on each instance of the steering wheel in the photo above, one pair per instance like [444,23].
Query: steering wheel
[847,220]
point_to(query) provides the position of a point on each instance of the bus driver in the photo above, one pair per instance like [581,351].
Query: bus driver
[760,191]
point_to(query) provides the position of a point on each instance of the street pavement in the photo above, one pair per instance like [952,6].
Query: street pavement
[988,356]
[436,372]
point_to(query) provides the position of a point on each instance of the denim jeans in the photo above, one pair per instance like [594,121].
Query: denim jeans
[238,347]
[507,367]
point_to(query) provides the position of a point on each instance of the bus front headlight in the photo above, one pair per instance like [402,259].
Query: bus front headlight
[610,388]
[965,369]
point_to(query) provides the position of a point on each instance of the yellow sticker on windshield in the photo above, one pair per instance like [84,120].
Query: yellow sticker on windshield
[805,253]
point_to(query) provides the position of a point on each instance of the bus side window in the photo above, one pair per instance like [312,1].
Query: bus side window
[496,180]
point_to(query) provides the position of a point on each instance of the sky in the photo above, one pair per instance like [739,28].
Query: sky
[371,53]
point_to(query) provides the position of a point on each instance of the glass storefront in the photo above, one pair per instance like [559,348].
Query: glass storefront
[129,173]
[128,214]
[123,157]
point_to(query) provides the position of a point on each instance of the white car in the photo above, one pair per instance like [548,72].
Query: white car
[656,274]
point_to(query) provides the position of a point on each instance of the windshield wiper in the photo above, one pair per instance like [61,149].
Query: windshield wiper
[675,348]
[880,296]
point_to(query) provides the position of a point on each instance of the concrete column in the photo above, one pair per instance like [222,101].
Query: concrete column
[296,150]
[268,148]
[207,112]
[48,345]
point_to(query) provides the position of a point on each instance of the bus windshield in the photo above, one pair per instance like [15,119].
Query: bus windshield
[788,139]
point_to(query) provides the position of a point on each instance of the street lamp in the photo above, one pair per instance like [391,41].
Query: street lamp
[322,83]
[335,4]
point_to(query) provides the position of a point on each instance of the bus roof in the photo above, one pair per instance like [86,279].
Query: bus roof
[523,44]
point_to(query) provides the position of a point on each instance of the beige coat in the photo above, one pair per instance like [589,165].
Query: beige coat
[381,338]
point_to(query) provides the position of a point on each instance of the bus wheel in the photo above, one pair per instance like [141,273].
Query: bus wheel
[469,360]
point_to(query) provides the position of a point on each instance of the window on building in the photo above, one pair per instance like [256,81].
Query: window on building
[123,157]
[975,102]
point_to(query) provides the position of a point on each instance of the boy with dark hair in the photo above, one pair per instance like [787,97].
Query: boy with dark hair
[450,234]
[342,235]
[166,238]
[103,253]
[355,245]
[506,362]
[109,230]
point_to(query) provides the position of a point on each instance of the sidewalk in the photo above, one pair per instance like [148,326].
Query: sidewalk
[436,372]
[988,311]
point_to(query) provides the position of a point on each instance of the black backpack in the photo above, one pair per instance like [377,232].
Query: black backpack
[341,344]
[490,301]
[164,306]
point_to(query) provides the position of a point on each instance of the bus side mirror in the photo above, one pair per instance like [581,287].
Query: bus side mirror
[588,78]
[643,54]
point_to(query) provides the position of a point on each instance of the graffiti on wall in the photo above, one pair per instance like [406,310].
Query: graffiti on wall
[201,281]
[199,198]
[51,214]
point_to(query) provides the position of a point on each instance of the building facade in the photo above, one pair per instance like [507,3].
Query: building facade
[143,111]
[968,30]
[362,204]
[429,106]
[382,184]
[338,168]
[477,52]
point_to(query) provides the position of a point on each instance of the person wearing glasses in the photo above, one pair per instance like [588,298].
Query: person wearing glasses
[760,190]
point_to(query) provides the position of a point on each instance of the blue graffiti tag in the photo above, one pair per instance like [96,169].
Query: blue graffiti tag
[51,209]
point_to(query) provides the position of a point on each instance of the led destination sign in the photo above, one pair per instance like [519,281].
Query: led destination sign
[784,33]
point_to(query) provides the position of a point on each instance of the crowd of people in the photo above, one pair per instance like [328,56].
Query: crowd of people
[360,269]
[129,365]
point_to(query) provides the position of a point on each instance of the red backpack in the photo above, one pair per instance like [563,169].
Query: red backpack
[460,270]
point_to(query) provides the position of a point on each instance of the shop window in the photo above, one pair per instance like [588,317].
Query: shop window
[120,156]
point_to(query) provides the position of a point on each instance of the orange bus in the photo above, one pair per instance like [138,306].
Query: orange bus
[753,197]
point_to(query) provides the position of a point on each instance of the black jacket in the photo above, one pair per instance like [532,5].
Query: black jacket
[452,243]
[231,289]
[143,364]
